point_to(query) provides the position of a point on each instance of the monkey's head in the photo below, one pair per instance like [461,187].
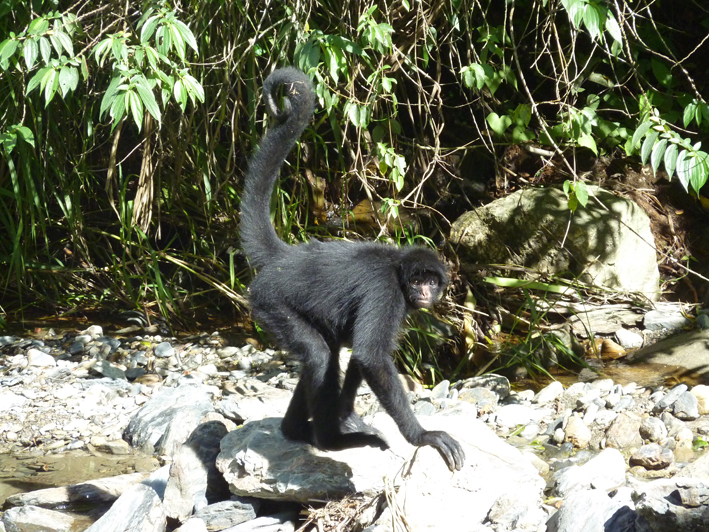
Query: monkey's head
[423,278]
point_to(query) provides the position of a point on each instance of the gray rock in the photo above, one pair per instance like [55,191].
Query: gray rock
[549,393]
[699,468]
[605,471]
[193,524]
[496,383]
[257,461]
[483,399]
[108,370]
[91,492]
[280,522]
[157,480]
[168,418]
[702,321]
[440,390]
[686,407]
[194,480]
[38,358]
[669,398]
[656,320]
[624,432]
[138,510]
[597,248]
[628,339]
[255,400]
[652,456]
[701,392]
[225,514]
[672,505]
[577,432]
[33,518]
[164,350]
[653,429]
[593,511]
[689,350]
[513,415]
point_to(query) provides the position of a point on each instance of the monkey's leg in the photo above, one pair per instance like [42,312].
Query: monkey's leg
[349,420]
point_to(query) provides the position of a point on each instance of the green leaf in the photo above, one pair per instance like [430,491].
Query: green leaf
[498,123]
[331,62]
[671,160]
[196,87]
[587,141]
[187,34]
[52,84]
[30,51]
[640,132]
[26,134]
[68,79]
[682,170]
[45,49]
[149,28]
[647,146]
[689,113]
[700,171]
[148,97]
[657,152]
[177,41]
[520,135]
[592,20]
[163,40]
[581,191]
[118,49]
[662,73]
[110,95]
[65,41]
[118,108]
[8,48]
[613,28]
[136,108]
[38,26]
[37,79]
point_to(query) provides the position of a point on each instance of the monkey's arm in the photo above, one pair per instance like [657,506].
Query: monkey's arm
[373,343]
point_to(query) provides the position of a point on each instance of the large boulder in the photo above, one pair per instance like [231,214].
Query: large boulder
[534,228]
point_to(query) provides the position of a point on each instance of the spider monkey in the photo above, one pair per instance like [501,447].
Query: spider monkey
[316,296]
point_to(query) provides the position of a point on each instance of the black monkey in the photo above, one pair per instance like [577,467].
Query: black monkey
[316,296]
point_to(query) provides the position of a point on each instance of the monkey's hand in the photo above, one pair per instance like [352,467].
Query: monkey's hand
[449,449]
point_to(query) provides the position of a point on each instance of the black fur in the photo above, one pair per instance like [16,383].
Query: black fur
[317,296]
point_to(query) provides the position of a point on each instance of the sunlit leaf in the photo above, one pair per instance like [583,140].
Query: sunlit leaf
[37,79]
[65,41]
[613,28]
[682,173]
[45,49]
[671,160]
[689,113]
[498,123]
[186,34]
[136,108]
[30,51]
[647,146]
[657,152]
[38,26]
[149,28]
[640,132]
[68,79]
[147,97]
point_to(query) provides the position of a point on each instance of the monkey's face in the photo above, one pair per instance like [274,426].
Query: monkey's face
[424,290]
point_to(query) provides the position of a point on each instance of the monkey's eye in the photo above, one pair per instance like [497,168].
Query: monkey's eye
[416,282]
[433,282]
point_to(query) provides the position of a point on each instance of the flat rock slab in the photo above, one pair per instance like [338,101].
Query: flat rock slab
[689,350]
[257,461]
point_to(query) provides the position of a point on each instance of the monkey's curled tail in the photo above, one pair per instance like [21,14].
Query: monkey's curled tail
[258,237]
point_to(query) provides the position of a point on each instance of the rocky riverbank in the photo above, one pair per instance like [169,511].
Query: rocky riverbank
[615,457]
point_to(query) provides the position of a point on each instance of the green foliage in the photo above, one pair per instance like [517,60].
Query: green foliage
[125,130]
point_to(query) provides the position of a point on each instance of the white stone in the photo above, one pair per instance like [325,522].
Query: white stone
[701,392]
[39,358]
